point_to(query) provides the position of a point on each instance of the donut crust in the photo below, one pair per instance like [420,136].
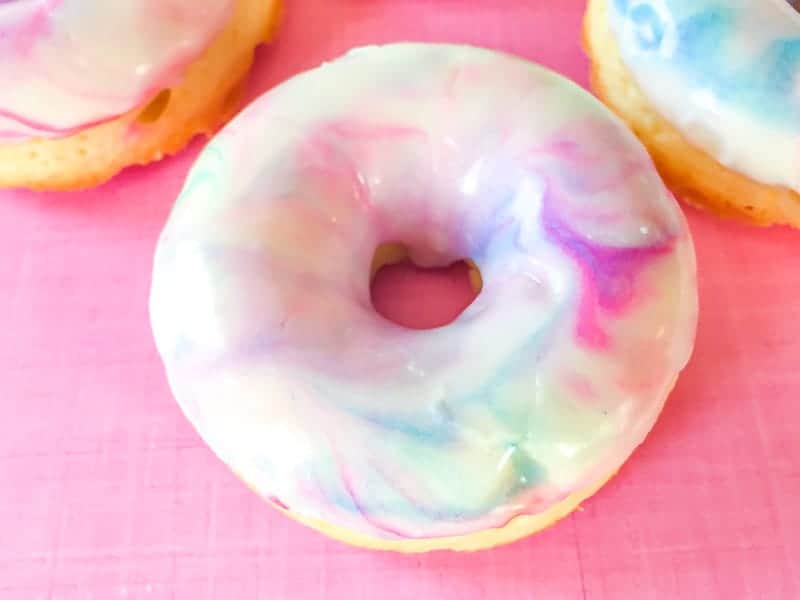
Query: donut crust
[694,175]
[208,95]
[516,529]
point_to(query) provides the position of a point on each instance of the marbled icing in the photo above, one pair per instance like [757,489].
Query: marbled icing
[725,72]
[261,304]
[68,64]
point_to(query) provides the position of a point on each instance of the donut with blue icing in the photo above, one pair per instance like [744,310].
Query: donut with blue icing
[712,87]
[465,436]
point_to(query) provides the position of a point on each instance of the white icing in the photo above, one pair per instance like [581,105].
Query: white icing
[67,64]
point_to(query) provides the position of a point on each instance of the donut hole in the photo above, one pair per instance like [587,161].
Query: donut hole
[156,108]
[419,297]
[233,97]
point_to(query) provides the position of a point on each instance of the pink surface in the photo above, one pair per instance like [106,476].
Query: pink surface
[106,492]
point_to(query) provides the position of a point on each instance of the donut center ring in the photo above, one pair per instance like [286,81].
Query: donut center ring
[418,297]
[156,108]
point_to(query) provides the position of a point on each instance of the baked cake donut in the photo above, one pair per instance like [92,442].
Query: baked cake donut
[712,88]
[88,87]
[465,436]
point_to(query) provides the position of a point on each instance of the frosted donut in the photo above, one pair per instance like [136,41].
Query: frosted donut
[462,437]
[88,87]
[711,88]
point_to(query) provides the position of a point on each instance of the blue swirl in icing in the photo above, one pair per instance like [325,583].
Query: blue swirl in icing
[712,45]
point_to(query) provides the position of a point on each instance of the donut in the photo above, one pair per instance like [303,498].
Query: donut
[460,437]
[711,89]
[90,87]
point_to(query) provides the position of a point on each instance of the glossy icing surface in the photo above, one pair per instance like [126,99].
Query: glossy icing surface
[725,72]
[261,305]
[68,64]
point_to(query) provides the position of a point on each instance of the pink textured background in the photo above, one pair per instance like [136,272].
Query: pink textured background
[106,492]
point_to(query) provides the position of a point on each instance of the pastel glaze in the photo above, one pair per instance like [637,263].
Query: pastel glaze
[69,64]
[261,305]
[726,73]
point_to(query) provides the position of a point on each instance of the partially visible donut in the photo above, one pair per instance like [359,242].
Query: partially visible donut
[712,88]
[462,437]
[88,87]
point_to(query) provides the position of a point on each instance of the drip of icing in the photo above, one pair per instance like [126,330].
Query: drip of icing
[725,72]
[70,64]
[543,385]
